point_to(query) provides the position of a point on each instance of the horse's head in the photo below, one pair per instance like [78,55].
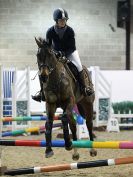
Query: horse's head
[45,58]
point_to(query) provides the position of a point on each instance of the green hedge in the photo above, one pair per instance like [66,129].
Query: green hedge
[123,107]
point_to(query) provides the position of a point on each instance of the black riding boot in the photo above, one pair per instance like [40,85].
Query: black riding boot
[86,90]
[40,95]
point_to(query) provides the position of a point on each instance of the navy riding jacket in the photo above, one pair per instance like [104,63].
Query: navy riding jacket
[66,44]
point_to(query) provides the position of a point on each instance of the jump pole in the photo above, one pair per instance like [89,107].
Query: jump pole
[71,166]
[77,144]
[28,130]
[29,118]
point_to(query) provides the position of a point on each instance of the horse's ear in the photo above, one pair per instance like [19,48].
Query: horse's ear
[39,43]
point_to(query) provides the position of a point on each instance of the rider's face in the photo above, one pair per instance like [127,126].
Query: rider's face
[61,23]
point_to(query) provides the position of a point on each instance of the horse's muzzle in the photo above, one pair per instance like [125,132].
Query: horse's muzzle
[44,72]
[44,78]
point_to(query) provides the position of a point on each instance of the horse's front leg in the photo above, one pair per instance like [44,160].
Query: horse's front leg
[68,143]
[51,108]
[67,114]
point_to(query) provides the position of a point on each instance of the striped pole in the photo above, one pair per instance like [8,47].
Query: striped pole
[28,130]
[29,118]
[71,166]
[77,144]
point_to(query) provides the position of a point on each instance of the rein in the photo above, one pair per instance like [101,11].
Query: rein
[52,68]
[63,60]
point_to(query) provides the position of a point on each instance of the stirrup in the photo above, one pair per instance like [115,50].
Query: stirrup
[37,97]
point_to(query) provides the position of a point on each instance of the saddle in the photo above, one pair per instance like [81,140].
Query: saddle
[73,69]
[76,76]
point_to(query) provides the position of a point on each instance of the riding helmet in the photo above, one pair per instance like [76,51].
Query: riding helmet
[60,14]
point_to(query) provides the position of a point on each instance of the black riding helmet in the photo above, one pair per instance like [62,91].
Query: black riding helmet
[60,14]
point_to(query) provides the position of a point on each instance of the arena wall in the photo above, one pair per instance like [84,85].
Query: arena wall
[98,45]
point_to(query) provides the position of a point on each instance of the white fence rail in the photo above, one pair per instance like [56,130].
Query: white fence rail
[124,120]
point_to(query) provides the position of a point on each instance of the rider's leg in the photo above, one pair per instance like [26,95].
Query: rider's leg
[40,96]
[85,88]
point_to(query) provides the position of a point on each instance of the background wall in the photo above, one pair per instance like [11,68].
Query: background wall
[21,20]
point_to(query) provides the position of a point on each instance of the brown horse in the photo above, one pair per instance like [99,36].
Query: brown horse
[61,90]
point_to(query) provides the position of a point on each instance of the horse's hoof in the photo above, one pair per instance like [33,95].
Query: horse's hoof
[68,148]
[49,154]
[75,156]
[93,152]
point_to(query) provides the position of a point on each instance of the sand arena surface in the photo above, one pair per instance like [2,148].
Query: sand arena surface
[21,157]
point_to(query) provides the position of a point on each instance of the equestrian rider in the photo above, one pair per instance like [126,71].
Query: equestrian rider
[62,39]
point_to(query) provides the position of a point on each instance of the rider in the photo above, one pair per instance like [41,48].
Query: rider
[62,38]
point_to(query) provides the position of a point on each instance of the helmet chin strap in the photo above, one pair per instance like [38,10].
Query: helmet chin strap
[59,26]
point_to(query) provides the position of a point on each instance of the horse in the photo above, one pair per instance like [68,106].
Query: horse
[62,91]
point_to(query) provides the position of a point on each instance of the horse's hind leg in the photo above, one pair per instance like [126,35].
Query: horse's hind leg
[72,124]
[49,124]
[89,124]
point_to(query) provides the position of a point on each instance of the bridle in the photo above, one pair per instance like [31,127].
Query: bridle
[50,69]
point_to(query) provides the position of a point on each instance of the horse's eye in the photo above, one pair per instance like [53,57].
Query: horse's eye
[38,56]
[50,51]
